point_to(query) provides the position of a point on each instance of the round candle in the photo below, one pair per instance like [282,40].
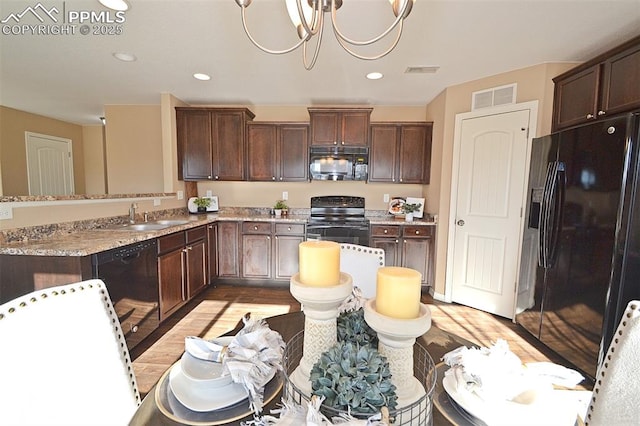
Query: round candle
[398,292]
[319,263]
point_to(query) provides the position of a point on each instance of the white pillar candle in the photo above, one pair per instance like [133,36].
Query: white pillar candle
[319,263]
[398,292]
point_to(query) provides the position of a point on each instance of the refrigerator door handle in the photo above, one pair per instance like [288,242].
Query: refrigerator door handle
[544,216]
[557,209]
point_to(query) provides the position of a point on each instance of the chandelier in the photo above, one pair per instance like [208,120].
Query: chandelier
[308,18]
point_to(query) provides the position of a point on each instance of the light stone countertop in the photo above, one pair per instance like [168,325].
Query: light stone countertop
[87,242]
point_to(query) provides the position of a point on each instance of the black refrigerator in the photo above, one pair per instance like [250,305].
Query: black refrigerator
[580,257]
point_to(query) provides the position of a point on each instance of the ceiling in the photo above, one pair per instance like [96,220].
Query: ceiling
[72,76]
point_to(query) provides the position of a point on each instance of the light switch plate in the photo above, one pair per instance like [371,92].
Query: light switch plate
[180,195]
[385,198]
[156,201]
[285,195]
[6,212]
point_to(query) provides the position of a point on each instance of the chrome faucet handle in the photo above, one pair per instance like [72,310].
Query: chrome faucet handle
[132,213]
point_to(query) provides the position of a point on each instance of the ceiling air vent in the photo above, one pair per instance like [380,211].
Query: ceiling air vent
[495,96]
[421,70]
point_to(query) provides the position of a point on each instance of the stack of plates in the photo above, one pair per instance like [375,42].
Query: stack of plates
[199,385]
[539,405]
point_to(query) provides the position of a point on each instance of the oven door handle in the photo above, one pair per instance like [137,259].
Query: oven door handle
[313,237]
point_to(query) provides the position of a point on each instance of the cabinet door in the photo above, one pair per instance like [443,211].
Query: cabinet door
[415,154]
[621,88]
[286,256]
[293,152]
[171,282]
[355,128]
[228,265]
[196,273]
[212,257]
[383,155]
[194,145]
[256,256]
[262,152]
[576,98]
[391,247]
[325,126]
[227,138]
[416,254]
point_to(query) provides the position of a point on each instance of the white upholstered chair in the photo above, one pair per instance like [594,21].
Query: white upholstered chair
[64,360]
[615,395]
[362,264]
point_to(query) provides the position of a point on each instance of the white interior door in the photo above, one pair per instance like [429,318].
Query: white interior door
[487,210]
[49,165]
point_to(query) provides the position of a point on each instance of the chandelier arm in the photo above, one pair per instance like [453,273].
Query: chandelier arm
[399,19]
[310,65]
[264,49]
[372,58]
[313,29]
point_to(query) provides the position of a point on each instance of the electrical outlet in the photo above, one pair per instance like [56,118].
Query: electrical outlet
[6,212]
[180,195]
[156,201]
[385,198]
[209,193]
[285,195]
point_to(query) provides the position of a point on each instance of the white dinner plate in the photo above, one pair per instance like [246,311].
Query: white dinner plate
[545,409]
[200,401]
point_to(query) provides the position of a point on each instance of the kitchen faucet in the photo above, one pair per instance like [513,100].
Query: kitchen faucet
[132,213]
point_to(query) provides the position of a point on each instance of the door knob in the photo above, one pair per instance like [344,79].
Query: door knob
[460,222]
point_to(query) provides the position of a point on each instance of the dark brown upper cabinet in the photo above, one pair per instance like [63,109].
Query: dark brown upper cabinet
[211,143]
[277,152]
[340,126]
[606,85]
[400,152]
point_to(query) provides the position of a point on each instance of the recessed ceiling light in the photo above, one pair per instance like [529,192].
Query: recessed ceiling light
[374,76]
[125,57]
[115,4]
[201,76]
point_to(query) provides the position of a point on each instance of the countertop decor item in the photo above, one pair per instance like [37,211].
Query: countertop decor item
[419,213]
[395,206]
[202,204]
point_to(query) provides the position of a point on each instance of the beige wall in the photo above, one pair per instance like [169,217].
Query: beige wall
[13,163]
[94,172]
[134,149]
[534,83]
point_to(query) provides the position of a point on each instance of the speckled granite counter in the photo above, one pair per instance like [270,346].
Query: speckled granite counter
[89,241]
[84,242]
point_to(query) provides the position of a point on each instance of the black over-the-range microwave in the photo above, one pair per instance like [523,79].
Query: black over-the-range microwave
[338,163]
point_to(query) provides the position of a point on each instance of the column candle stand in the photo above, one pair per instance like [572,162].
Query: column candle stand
[320,306]
[396,339]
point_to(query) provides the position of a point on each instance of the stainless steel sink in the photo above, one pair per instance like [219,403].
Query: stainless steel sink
[171,222]
[150,226]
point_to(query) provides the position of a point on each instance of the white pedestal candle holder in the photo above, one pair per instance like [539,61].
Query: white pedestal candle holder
[396,339]
[320,306]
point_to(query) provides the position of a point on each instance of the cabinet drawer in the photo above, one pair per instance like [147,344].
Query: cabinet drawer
[289,229]
[171,242]
[417,231]
[256,228]
[385,230]
[196,234]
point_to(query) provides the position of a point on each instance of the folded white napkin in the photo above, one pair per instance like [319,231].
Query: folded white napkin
[292,414]
[252,358]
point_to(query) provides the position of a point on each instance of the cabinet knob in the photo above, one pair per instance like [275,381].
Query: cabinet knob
[601,113]
[255,228]
[589,116]
[268,238]
[288,228]
[217,177]
[273,178]
[335,142]
[397,241]
[280,177]
[134,328]
[400,179]
[417,232]
[209,177]
[342,143]
[385,231]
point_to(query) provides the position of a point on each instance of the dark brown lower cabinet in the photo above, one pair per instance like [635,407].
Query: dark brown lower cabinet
[182,268]
[256,250]
[410,246]
[228,241]
[287,239]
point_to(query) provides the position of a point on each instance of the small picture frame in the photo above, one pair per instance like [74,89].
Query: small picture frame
[420,212]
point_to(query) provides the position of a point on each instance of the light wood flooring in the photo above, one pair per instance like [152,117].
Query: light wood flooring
[219,309]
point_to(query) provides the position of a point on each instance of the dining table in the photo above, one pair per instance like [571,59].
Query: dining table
[437,342]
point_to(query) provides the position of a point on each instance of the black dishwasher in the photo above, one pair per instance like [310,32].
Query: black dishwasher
[131,276]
